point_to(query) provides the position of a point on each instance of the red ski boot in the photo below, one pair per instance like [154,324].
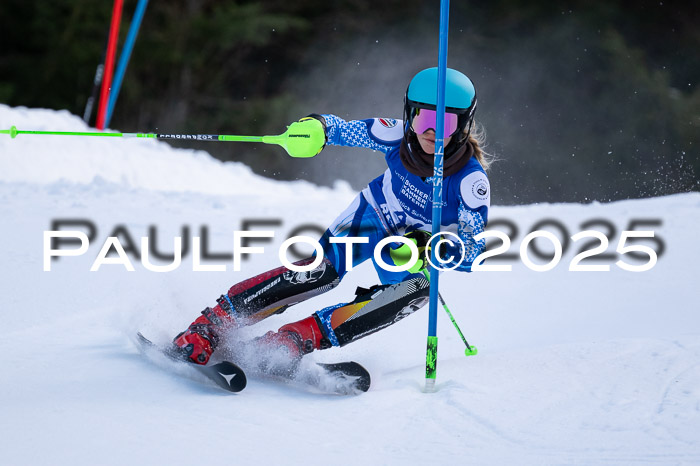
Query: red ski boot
[201,338]
[280,352]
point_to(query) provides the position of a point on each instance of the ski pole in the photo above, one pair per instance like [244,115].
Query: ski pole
[470,350]
[302,139]
[431,350]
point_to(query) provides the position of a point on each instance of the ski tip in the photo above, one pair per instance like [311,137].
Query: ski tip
[143,340]
[364,379]
[227,375]
[351,370]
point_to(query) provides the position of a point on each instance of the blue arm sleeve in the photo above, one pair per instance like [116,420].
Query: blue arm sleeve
[379,134]
[471,223]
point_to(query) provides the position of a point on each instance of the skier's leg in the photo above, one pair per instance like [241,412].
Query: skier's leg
[272,292]
[375,309]
[372,310]
[251,301]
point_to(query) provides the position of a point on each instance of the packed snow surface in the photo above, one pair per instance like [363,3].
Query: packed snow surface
[573,367]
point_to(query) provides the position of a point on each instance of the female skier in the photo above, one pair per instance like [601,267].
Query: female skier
[396,203]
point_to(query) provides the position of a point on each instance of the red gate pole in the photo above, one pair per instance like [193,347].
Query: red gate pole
[109,63]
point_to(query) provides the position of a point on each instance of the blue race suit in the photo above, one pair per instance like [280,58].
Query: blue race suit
[398,202]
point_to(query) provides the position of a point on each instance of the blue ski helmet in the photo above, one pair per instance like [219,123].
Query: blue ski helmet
[460,99]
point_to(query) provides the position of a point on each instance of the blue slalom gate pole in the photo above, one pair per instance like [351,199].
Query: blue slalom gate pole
[431,355]
[124,58]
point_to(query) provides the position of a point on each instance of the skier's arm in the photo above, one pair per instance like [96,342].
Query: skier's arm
[375,133]
[474,204]
[471,223]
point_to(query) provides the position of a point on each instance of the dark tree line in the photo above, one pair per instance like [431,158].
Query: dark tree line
[579,102]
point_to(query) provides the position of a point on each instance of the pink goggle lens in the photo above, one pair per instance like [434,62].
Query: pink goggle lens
[427,119]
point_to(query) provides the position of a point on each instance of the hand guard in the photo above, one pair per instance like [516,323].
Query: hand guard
[306,138]
[402,254]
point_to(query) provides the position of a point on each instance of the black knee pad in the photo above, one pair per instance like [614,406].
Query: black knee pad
[273,291]
[375,309]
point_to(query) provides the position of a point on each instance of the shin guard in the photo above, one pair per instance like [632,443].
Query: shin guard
[373,309]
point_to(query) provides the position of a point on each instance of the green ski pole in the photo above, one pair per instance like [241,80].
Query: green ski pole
[302,139]
[470,350]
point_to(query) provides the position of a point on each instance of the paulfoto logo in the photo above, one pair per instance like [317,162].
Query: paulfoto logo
[636,250]
[113,244]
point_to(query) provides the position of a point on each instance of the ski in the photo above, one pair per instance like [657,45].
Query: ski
[346,378]
[341,378]
[225,374]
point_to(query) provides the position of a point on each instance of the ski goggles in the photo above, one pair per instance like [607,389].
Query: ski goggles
[425,120]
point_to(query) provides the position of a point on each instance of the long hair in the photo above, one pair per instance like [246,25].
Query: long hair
[477,137]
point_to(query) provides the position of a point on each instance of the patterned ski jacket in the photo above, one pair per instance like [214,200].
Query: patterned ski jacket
[403,201]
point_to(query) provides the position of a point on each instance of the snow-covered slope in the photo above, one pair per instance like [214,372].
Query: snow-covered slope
[573,367]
